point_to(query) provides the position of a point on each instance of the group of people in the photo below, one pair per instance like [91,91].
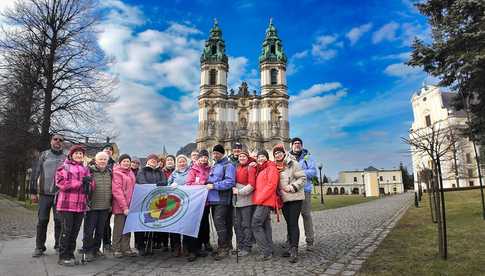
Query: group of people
[243,190]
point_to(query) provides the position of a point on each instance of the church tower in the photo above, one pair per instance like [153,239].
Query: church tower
[213,63]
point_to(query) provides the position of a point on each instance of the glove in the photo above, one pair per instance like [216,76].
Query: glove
[86,185]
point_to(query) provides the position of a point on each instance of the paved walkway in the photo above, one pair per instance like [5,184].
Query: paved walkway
[344,238]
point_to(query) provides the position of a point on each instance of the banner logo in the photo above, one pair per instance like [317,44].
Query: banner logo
[164,207]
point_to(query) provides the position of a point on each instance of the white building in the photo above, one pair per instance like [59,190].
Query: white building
[433,108]
[370,181]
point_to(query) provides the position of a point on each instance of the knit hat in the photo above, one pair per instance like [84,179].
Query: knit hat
[123,157]
[152,156]
[170,156]
[237,145]
[108,146]
[296,139]
[277,148]
[76,148]
[263,152]
[219,148]
[245,152]
[204,153]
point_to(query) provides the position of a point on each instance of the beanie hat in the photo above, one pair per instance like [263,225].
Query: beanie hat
[108,146]
[204,153]
[263,152]
[296,139]
[123,157]
[152,156]
[277,148]
[76,148]
[170,156]
[245,152]
[219,148]
[237,145]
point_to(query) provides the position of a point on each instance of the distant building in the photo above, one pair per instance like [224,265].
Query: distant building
[94,147]
[370,181]
[432,106]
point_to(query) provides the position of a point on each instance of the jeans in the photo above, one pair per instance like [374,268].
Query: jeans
[242,224]
[94,226]
[291,212]
[261,225]
[306,213]
[46,203]
[219,215]
[70,226]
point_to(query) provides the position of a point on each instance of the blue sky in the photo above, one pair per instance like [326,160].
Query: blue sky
[350,88]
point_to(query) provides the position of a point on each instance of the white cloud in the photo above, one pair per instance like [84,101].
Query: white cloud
[119,13]
[356,33]
[309,100]
[386,32]
[293,66]
[402,70]
[325,47]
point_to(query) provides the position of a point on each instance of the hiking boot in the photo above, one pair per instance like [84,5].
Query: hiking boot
[38,252]
[221,254]
[208,247]
[118,254]
[107,248]
[264,258]
[310,247]
[99,254]
[192,257]
[293,255]
[177,252]
[286,254]
[129,253]
[68,262]
[242,253]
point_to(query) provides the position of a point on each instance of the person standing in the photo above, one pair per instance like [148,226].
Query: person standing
[135,165]
[43,173]
[265,199]
[75,186]
[194,155]
[100,205]
[107,247]
[220,182]
[242,199]
[122,188]
[290,188]
[233,158]
[169,166]
[308,165]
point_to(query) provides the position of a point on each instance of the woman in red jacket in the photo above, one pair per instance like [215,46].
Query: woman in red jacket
[265,199]
[122,188]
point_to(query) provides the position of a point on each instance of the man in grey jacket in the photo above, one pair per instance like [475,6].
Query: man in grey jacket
[43,174]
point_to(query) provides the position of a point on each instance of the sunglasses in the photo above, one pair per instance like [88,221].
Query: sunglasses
[58,139]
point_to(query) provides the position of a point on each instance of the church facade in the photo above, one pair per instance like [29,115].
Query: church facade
[257,120]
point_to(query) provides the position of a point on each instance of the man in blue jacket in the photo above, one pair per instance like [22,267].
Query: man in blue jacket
[308,165]
[221,179]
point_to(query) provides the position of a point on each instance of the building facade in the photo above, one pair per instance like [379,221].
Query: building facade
[257,120]
[433,108]
[368,182]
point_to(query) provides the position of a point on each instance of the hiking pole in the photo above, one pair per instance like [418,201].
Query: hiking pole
[234,217]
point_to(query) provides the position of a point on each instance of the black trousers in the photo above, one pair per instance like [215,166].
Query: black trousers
[291,212]
[204,229]
[94,228]
[194,244]
[230,224]
[70,226]
[219,215]
[46,203]
[107,231]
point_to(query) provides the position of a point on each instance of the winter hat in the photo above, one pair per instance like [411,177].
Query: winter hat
[263,152]
[152,156]
[204,153]
[237,145]
[181,156]
[245,152]
[76,148]
[277,148]
[219,148]
[108,146]
[296,139]
[170,156]
[123,157]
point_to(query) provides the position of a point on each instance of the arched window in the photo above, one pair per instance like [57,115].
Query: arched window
[342,190]
[274,76]
[213,77]
[335,191]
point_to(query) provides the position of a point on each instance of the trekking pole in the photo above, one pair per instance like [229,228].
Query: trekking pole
[234,217]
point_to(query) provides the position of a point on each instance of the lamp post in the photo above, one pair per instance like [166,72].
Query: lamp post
[320,167]
[363,185]
[378,185]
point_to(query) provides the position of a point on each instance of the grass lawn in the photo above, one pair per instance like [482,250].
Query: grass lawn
[337,201]
[411,247]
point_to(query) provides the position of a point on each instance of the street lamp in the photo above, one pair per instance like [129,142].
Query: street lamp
[320,167]
[363,185]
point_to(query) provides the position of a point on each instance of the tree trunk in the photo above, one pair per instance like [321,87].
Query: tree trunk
[443,214]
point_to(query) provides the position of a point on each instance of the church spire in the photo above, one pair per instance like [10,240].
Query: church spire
[272,47]
[214,49]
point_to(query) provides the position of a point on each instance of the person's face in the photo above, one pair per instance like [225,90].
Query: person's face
[236,152]
[170,162]
[194,156]
[78,156]
[262,158]
[56,142]
[279,155]
[243,159]
[203,160]
[217,155]
[125,163]
[152,163]
[181,163]
[101,162]
[135,165]
[296,146]
[108,151]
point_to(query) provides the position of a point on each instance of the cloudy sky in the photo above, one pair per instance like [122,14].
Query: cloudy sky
[350,89]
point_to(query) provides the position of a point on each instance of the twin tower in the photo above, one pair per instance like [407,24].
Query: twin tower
[257,120]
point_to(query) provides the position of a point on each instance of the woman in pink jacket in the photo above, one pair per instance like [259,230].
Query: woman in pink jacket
[122,187]
[75,184]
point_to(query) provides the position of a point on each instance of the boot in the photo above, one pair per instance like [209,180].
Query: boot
[293,255]
[221,254]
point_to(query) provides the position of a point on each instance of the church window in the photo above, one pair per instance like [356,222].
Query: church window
[428,120]
[272,49]
[274,76]
[212,76]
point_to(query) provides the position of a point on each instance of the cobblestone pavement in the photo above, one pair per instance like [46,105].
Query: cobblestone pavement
[15,221]
[343,236]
